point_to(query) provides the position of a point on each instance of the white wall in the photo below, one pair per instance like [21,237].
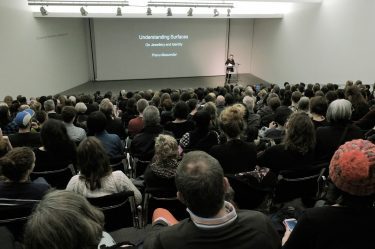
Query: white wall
[240,42]
[328,42]
[40,56]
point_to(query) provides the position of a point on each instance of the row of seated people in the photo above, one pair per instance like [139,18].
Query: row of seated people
[64,219]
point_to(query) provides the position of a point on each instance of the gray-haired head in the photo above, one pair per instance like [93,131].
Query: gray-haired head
[249,102]
[64,219]
[304,104]
[339,111]
[151,116]
[49,105]
[141,105]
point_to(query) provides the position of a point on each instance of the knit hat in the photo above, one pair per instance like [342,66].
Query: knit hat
[352,168]
[23,118]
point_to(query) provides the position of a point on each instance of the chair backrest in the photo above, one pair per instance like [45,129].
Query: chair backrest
[138,166]
[119,210]
[56,178]
[14,214]
[162,198]
[249,193]
[304,184]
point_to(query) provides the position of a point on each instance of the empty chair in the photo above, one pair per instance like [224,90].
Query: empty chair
[14,214]
[119,210]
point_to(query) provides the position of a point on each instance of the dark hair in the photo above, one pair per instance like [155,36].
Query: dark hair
[64,219]
[96,122]
[167,104]
[229,99]
[92,162]
[331,96]
[192,103]
[4,115]
[55,139]
[16,163]
[199,179]
[319,105]
[296,95]
[181,110]
[40,116]
[273,102]
[202,119]
[282,114]
[68,113]
[185,96]
[300,133]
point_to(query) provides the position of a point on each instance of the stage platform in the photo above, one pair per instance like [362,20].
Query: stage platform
[157,84]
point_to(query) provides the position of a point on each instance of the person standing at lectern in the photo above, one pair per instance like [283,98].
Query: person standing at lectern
[230,67]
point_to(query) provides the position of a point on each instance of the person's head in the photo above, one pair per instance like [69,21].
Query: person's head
[273,102]
[55,137]
[201,184]
[4,115]
[249,102]
[300,133]
[193,104]
[354,95]
[167,104]
[64,219]
[231,56]
[96,122]
[68,113]
[339,111]
[93,162]
[282,114]
[17,164]
[49,105]
[23,119]
[81,107]
[41,117]
[211,108]
[151,116]
[181,110]
[231,121]
[304,104]
[202,119]
[296,95]
[106,107]
[141,105]
[166,148]
[220,100]
[318,105]
[352,172]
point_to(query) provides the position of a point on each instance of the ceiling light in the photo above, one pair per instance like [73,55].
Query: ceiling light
[169,12]
[83,11]
[119,12]
[190,12]
[149,11]
[216,12]
[43,11]
[228,12]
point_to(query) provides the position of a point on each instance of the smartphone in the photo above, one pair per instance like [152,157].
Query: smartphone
[290,223]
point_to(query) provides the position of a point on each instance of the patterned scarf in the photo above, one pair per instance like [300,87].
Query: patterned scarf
[165,169]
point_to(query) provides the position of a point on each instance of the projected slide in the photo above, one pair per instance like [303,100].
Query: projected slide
[159,48]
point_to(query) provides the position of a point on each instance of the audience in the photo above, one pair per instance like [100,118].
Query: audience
[95,177]
[318,111]
[180,125]
[162,170]
[25,137]
[136,125]
[66,220]
[50,108]
[347,223]
[213,222]
[113,123]
[76,134]
[58,151]
[244,155]
[16,167]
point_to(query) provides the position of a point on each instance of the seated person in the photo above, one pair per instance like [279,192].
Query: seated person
[345,224]
[112,144]
[339,130]
[180,125]
[201,138]
[58,151]
[95,177]
[136,125]
[296,152]
[235,155]
[66,220]
[76,134]
[114,124]
[162,170]
[16,167]
[143,144]
[213,223]
[318,111]
[25,137]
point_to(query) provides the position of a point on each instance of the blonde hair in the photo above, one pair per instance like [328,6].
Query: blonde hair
[232,121]
[166,148]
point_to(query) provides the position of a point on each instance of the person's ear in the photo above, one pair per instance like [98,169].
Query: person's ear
[180,197]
